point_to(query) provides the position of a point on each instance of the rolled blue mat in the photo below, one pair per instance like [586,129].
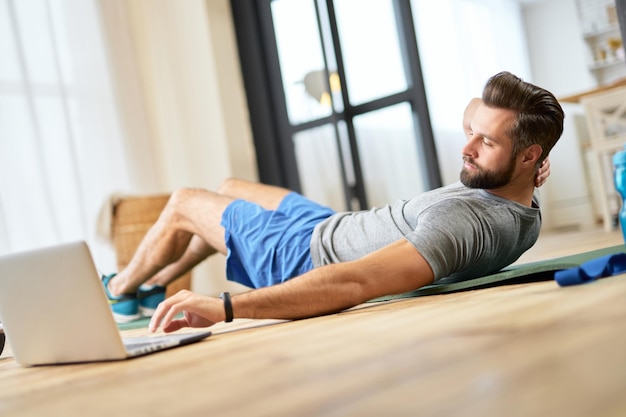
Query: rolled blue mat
[591,270]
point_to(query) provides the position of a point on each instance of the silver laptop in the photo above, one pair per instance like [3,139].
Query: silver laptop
[54,310]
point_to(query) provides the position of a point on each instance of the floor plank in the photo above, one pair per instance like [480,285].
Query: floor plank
[553,244]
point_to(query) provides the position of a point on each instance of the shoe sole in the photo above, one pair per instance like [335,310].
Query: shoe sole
[124,318]
[146,311]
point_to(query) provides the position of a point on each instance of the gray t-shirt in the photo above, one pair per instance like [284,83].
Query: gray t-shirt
[462,232]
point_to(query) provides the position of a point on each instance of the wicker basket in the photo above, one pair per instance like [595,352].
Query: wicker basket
[132,217]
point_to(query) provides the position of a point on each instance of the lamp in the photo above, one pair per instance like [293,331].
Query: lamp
[316,85]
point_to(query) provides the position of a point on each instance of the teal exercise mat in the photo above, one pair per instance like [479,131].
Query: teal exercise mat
[135,324]
[516,274]
[139,323]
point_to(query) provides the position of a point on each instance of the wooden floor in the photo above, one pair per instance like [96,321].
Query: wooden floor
[517,350]
[553,244]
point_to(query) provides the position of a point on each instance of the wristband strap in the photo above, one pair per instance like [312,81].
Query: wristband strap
[228,306]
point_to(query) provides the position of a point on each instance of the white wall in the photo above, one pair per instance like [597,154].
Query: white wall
[461,44]
[557,56]
[556,49]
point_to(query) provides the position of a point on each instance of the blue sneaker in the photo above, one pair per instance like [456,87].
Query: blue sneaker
[149,297]
[125,307]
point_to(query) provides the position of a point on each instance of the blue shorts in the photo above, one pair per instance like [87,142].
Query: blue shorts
[267,247]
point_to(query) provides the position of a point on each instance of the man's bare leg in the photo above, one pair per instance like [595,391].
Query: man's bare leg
[187,232]
[197,251]
[267,196]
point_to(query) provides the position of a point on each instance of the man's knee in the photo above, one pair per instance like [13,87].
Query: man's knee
[182,195]
[178,203]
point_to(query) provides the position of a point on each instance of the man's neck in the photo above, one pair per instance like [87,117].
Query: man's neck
[521,195]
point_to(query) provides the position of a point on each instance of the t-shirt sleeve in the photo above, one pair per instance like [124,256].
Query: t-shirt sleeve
[450,236]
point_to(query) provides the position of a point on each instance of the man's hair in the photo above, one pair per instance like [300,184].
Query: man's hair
[539,115]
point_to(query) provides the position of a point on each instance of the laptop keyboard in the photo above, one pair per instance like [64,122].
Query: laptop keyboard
[142,342]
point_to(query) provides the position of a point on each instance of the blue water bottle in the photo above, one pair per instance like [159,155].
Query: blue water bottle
[619,164]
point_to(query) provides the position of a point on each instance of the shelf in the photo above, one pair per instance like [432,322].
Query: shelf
[597,66]
[604,31]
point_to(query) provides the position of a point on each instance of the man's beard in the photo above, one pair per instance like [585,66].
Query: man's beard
[487,179]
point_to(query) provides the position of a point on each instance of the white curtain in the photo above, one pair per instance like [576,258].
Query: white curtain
[98,98]
[62,151]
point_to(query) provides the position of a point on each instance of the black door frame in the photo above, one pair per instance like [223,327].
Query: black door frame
[270,124]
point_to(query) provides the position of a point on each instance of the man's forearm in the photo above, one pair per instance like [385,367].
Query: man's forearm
[321,291]
[394,269]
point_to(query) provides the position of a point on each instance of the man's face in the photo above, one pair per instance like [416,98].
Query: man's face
[488,157]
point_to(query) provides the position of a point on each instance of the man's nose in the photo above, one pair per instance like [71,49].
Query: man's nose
[470,147]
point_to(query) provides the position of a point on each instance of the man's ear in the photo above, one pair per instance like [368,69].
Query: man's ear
[532,154]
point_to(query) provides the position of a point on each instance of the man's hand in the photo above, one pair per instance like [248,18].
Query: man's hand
[542,173]
[468,114]
[198,311]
